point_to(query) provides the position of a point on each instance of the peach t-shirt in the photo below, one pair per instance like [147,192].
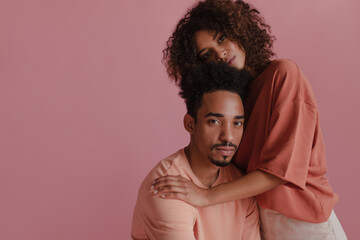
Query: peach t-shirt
[160,219]
[283,137]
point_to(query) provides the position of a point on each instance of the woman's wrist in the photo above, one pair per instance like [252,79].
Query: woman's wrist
[211,196]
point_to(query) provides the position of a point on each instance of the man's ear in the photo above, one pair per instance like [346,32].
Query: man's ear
[189,123]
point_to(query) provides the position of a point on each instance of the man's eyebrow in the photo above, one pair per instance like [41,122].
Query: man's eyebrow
[211,114]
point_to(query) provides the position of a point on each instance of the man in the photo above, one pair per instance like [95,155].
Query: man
[214,120]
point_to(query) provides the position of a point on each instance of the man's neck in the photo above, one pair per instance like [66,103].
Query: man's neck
[203,169]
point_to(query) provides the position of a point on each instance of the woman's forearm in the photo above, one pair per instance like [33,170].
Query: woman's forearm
[249,185]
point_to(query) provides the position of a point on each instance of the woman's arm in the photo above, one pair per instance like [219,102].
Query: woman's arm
[252,184]
[249,185]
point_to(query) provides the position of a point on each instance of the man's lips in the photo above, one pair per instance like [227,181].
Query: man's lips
[225,151]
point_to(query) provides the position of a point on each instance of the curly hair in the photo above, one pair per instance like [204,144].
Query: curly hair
[237,20]
[209,77]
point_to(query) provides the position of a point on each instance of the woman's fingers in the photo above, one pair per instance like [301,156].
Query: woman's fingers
[171,184]
[168,181]
[178,187]
[178,196]
[174,187]
[169,177]
[169,189]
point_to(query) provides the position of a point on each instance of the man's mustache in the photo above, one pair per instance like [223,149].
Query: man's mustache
[224,144]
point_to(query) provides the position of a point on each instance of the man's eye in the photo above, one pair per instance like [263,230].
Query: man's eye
[221,39]
[238,124]
[214,121]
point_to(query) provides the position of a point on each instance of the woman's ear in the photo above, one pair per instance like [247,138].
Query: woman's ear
[189,123]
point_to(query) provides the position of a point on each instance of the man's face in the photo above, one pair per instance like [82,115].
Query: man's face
[219,126]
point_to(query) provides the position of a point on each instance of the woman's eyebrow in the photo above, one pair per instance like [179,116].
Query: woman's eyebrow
[215,35]
[201,51]
[204,49]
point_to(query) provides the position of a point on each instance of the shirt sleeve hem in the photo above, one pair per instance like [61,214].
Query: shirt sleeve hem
[289,182]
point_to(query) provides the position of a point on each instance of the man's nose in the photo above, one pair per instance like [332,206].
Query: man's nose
[227,134]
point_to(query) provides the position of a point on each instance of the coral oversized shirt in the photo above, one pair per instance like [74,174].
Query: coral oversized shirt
[160,219]
[283,138]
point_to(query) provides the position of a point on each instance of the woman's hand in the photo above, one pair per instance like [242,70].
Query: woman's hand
[178,187]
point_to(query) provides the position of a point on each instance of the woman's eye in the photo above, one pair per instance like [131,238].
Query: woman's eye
[238,124]
[206,56]
[221,38]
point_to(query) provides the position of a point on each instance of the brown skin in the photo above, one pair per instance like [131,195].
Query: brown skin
[237,20]
[243,27]
[219,120]
[212,129]
[208,130]
[252,184]
[215,46]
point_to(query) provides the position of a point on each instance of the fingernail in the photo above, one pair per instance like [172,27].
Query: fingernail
[152,187]
[156,191]
[162,196]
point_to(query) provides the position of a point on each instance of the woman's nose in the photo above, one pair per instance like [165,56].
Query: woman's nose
[221,55]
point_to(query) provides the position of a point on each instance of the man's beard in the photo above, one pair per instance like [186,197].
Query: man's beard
[220,163]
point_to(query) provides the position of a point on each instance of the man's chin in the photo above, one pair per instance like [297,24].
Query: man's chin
[221,163]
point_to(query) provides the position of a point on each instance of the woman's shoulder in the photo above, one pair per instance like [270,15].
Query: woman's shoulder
[283,70]
[289,80]
[283,65]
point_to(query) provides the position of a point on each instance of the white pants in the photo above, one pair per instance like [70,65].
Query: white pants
[275,226]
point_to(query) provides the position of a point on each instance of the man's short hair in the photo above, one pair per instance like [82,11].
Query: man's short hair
[210,77]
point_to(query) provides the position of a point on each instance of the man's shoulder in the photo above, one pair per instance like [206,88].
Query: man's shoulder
[175,164]
[170,165]
[155,216]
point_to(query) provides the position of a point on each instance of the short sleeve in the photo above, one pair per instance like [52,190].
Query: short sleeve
[163,219]
[252,223]
[287,150]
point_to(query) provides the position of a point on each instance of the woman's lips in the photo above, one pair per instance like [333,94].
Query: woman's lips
[231,61]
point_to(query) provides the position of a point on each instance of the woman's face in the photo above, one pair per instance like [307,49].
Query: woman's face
[215,46]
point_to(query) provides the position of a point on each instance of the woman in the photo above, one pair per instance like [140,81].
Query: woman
[282,148]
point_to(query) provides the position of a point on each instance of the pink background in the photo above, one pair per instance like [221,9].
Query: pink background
[86,108]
